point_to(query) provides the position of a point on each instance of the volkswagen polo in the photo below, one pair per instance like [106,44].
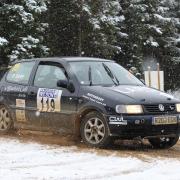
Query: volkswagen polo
[93,98]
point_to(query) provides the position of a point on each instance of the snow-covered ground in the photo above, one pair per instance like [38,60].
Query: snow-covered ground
[30,160]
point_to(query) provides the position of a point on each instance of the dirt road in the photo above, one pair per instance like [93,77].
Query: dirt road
[54,157]
[121,148]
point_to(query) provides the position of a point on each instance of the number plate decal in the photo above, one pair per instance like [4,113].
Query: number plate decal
[20,115]
[165,120]
[49,100]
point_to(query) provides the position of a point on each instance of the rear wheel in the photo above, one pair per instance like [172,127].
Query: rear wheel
[94,130]
[5,120]
[164,142]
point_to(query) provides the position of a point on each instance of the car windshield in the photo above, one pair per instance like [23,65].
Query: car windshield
[105,73]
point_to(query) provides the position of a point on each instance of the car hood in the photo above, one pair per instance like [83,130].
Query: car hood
[128,94]
[143,94]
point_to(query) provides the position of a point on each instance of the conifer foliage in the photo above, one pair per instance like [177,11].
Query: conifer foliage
[150,32]
[83,27]
[22,29]
[135,33]
[145,30]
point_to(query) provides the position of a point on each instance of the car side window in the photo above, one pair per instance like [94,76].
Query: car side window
[20,73]
[48,75]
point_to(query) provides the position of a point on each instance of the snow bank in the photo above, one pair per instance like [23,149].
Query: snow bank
[20,160]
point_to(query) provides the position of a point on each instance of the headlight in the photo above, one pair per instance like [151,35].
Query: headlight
[129,109]
[178,107]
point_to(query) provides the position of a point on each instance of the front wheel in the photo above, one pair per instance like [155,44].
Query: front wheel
[94,130]
[5,120]
[164,142]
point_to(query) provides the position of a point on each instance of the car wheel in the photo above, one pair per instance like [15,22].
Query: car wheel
[164,142]
[5,120]
[94,130]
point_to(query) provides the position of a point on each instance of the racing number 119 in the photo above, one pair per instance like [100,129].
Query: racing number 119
[47,104]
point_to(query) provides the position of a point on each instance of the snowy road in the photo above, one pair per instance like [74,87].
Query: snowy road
[32,160]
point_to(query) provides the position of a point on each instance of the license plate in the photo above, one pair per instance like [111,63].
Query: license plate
[165,120]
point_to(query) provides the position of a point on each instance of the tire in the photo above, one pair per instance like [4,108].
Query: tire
[164,142]
[94,131]
[6,122]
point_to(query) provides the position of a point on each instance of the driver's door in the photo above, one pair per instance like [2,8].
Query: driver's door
[50,106]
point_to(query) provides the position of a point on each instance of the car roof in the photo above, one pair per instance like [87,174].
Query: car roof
[67,59]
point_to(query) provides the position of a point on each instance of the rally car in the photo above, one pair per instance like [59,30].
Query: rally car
[96,99]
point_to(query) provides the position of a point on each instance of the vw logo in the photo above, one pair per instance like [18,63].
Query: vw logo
[161,107]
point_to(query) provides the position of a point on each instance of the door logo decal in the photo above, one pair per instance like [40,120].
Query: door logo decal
[20,103]
[49,100]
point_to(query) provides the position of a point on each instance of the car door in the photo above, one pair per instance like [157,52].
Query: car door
[15,91]
[47,102]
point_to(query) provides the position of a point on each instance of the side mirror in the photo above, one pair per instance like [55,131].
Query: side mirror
[66,84]
[62,83]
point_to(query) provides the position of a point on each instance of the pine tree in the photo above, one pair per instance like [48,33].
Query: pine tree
[22,29]
[83,28]
[102,18]
[169,59]
[146,33]
[63,18]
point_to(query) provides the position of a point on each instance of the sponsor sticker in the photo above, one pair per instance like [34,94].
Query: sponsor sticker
[117,120]
[20,103]
[18,77]
[15,67]
[20,116]
[15,89]
[49,100]
[94,98]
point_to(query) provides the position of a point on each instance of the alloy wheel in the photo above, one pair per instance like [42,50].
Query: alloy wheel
[5,120]
[94,130]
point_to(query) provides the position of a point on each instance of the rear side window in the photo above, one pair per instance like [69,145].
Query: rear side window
[20,72]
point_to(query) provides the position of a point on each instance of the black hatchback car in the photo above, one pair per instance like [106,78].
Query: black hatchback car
[94,98]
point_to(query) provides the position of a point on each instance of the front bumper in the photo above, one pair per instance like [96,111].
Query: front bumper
[130,127]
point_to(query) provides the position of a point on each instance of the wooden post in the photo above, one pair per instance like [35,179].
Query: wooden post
[158,71]
[149,72]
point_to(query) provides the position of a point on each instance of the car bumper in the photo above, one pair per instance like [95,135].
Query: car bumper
[129,127]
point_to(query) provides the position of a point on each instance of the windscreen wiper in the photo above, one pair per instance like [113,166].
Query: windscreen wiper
[90,76]
[111,75]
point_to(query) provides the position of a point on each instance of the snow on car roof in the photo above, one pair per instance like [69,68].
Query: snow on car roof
[84,59]
[69,59]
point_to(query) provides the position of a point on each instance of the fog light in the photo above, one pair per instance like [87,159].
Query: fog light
[178,107]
